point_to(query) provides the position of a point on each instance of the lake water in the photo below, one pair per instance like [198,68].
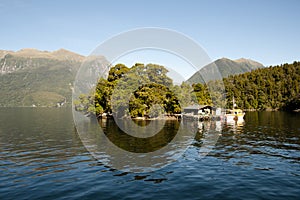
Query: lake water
[42,157]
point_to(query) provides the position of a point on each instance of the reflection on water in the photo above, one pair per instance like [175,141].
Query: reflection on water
[42,157]
[109,144]
[141,145]
[236,126]
[268,136]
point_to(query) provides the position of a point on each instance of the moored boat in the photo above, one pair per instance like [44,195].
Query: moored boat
[234,114]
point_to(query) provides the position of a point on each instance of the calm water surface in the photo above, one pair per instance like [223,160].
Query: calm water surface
[42,157]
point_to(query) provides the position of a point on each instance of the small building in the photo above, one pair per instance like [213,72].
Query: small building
[198,110]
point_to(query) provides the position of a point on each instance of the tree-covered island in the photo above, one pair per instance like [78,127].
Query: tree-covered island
[139,91]
[147,91]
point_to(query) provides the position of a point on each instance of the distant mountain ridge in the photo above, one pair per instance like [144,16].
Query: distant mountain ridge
[226,68]
[32,58]
[60,54]
[30,77]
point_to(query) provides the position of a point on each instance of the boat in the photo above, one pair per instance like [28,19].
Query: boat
[234,114]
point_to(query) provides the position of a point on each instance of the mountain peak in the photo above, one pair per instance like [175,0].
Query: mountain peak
[226,67]
[241,60]
[61,50]
[29,50]
[223,58]
[249,62]
[61,54]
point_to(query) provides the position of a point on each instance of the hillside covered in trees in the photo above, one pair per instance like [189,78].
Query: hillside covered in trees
[272,88]
[150,92]
[139,91]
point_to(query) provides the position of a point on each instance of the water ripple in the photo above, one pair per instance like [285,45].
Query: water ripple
[44,159]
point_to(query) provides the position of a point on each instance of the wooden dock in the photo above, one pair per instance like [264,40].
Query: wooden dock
[200,117]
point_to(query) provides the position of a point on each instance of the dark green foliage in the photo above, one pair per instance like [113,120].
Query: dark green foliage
[143,90]
[153,94]
[266,88]
[293,104]
[202,94]
[117,72]
[185,94]
[149,91]
[270,88]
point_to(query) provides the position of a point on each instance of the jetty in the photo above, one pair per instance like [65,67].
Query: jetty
[201,113]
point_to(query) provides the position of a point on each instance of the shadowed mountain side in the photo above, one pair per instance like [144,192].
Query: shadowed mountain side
[226,68]
[30,77]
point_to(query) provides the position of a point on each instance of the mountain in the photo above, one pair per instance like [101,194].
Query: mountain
[31,77]
[26,59]
[226,68]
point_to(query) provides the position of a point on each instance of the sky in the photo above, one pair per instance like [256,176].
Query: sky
[262,30]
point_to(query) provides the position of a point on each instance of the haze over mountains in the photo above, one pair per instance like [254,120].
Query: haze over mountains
[31,77]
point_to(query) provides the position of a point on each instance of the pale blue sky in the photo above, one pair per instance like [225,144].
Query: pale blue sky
[263,30]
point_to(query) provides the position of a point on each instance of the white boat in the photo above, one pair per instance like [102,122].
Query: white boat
[234,114]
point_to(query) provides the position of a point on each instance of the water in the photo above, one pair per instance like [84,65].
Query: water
[42,157]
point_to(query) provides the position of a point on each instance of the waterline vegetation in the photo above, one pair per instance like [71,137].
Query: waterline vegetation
[139,91]
[143,86]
